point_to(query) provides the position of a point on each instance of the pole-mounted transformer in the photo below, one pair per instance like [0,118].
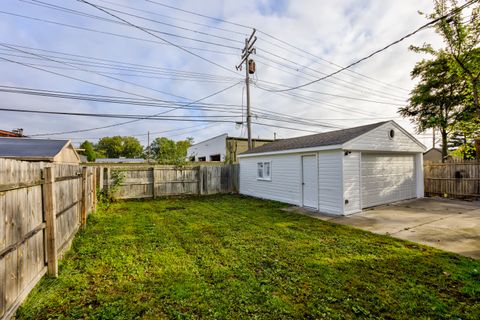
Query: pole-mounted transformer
[251,66]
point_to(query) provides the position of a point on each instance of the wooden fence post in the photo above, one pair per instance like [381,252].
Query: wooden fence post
[101,178]
[50,220]
[94,188]
[153,183]
[108,179]
[200,180]
[83,215]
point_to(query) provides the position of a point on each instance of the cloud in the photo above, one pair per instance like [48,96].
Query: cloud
[339,31]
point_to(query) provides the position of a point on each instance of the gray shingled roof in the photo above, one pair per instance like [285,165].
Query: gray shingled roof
[30,148]
[316,140]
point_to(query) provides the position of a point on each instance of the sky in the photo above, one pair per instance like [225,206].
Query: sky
[179,57]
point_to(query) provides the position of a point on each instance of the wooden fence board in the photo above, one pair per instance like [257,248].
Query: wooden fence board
[22,222]
[149,182]
[455,179]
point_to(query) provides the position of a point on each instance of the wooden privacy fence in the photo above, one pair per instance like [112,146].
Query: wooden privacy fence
[42,206]
[150,182]
[454,179]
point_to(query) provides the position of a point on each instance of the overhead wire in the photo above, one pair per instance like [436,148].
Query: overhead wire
[132,121]
[110,33]
[89,71]
[121,65]
[198,14]
[91,16]
[353,88]
[133,25]
[428,24]
[273,37]
[175,18]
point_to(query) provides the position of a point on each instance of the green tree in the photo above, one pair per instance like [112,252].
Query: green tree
[436,102]
[89,150]
[117,146]
[167,151]
[461,36]
[464,131]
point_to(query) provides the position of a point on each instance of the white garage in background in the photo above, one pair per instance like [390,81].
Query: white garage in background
[337,172]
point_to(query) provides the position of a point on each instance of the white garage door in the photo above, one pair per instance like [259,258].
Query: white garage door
[387,178]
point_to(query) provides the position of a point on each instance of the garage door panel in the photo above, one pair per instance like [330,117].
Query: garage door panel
[387,178]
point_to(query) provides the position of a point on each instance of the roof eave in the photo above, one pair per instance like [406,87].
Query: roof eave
[50,159]
[299,150]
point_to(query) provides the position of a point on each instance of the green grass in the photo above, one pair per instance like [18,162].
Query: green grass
[233,257]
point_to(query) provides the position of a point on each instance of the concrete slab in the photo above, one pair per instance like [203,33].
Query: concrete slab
[450,225]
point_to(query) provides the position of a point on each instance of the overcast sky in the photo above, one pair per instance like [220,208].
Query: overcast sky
[138,65]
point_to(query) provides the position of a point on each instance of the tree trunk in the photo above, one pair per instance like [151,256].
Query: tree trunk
[477,108]
[444,145]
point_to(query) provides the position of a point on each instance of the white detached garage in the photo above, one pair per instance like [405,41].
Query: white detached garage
[337,172]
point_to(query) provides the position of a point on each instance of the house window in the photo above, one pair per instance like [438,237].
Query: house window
[264,171]
[215,157]
[202,159]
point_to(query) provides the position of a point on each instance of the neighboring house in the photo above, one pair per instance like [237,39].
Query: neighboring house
[222,148]
[58,151]
[12,134]
[434,154]
[120,160]
[338,172]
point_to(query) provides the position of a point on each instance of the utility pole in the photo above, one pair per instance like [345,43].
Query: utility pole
[148,147]
[249,69]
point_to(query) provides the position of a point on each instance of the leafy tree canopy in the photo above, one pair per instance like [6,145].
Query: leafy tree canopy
[437,101]
[117,146]
[89,151]
[167,151]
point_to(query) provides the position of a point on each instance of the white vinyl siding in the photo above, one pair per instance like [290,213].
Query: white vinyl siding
[207,148]
[330,181]
[285,184]
[387,178]
[378,140]
[351,183]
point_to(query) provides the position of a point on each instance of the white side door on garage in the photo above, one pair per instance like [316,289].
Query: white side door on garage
[387,178]
[309,181]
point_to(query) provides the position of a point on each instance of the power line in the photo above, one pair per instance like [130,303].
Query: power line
[298,69]
[156,36]
[175,18]
[85,70]
[199,118]
[151,133]
[91,16]
[136,75]
[353,88]
[108,62]
[275,38]
[108,33]
[199,14]
[454,11]
[138,102]
[326,61]
[132,121]
[335,95]
[219,107]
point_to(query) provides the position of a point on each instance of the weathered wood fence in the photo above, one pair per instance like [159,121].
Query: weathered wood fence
[454,179]
[42,206]
[156,181]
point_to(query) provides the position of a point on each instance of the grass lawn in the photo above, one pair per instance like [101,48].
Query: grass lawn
[233,257]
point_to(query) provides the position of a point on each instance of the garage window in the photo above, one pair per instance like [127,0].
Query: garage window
[264,170]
